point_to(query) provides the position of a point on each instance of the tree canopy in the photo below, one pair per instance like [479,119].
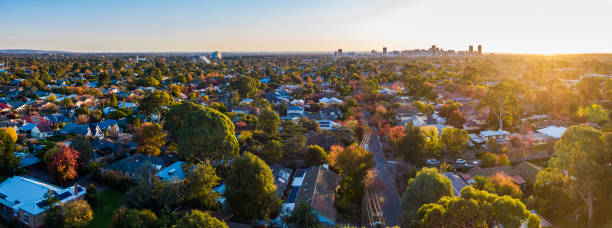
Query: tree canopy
[427,187]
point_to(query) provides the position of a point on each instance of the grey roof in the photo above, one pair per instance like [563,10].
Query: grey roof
[318,190]
[456,181]
[281,178]
[133,163]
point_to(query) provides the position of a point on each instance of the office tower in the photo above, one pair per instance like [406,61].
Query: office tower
[384,50]
[136,59]
[471,51]
[373,52]
[339,51]
[479,49]
[216,55]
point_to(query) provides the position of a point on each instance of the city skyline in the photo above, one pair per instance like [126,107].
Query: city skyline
[543,27]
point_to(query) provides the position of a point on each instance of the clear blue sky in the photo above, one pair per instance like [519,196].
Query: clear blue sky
[518,26]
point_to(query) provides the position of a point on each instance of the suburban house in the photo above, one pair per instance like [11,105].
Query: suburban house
[553,131]
[21,199]
[297,110]
[130,166]
[331,111]
[491,171]
[172,173]
[76,129]
[318,189]
[499,135]
[282,177]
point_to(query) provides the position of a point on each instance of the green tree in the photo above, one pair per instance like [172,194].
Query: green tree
[113,100]
[453,139]
[594,113]
[582,152]
[197,219]
[83,146]
[269,121]
[302,216]
[473,208]
[431,144]
[92,195]
[488,160]
[199,185]
[207,134]
[352,164]
[502,104]
[77,213]
[153,103]
[315,156]
[149,138]
[246,86]
[533,221]
[293,139]
[427,187]
[411,145]
[250,189]
[173,119]
[272,152]
[8,161]
[54,215]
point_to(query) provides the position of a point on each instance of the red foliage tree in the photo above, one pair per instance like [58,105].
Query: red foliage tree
[64,164]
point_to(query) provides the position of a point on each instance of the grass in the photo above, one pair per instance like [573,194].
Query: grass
[108,201]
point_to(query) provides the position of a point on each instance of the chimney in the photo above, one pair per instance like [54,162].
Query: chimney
[76,189]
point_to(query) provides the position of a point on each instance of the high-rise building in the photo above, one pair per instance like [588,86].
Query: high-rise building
[216,55]
[384,50]
[339,51]
[471,51]
[479,49]
[373,52]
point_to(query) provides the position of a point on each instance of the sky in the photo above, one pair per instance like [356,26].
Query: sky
[501,26]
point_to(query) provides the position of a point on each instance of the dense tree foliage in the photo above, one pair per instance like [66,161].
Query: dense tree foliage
[427,187]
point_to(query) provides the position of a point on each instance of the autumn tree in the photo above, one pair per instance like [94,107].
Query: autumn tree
[453,139]
[64,164]
[431,144]
[207,134]
[149,138]
[353,164]
[77,213]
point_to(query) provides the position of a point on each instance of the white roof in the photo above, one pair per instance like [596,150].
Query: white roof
[492,133]
[553,131]
[25,193]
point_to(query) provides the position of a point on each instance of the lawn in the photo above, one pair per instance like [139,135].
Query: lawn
[108,201]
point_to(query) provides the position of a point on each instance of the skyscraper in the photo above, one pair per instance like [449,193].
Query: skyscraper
[471,49]
[339,51]
[216,55]
[384,50]
[479,49]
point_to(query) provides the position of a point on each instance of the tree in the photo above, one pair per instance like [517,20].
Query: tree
[269,121]
[505,186]
[582,153]
[594,113]
[77,213]
[173,119]
[427,187]
[149,138]
[453,139]
[272,152]
[431,145]
[411,145]
[450,111]
[353,164]
[82,145]
[133,218]
[175,90]
[83,110]
[302,216]
[207,134]
[250,189]
[64,164]
[293,139]
[473,208]
[92,195]
[199,186]
[67,103]
[488,159]
[112,102]
[51,98]
[197,219]
[533,221]
[153,103]
[502,104]
[54,215]
[8,161]
[315,156]
[247,87]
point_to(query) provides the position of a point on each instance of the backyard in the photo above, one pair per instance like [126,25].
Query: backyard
[108,201]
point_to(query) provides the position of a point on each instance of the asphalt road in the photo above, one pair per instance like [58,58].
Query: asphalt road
[389,197]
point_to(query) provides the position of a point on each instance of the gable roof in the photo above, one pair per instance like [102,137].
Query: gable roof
[318,189]
[281,178]
[528,171]
[173,172]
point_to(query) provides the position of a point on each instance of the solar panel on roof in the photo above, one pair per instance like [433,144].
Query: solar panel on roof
[293,194]
[81,189]
[64,195]
[299,173]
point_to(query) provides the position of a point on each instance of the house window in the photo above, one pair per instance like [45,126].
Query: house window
[26,218]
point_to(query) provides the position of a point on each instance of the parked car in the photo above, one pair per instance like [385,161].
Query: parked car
[433,162]
[460,161]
